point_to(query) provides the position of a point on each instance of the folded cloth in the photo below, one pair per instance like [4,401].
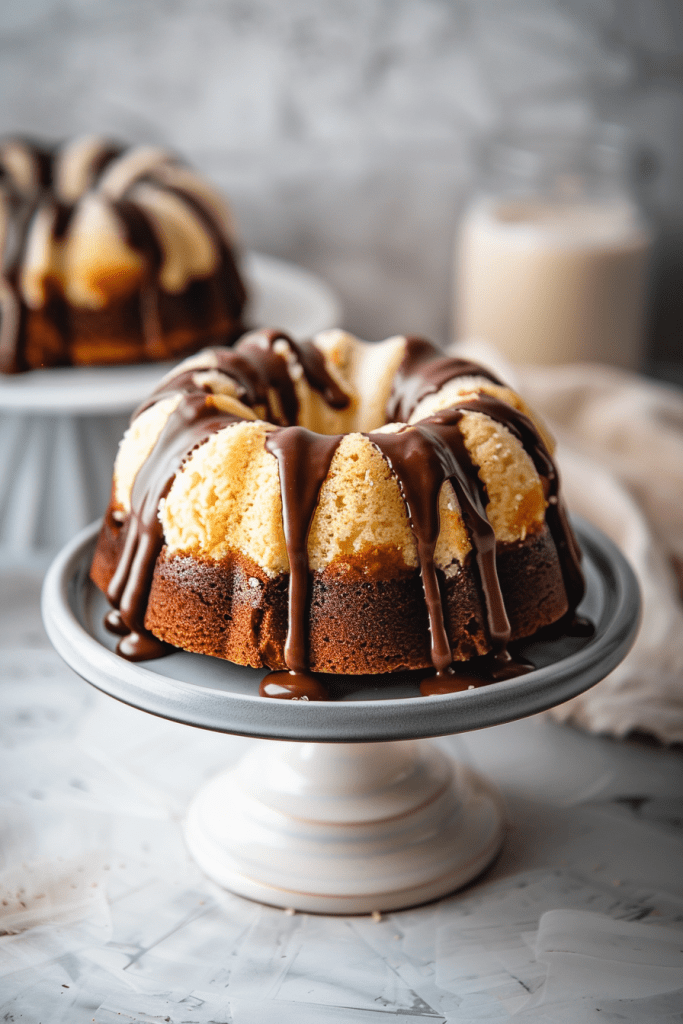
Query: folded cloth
[620,455]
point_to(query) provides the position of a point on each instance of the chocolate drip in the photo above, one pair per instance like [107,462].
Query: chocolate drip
[23,208]
[45,158]
[521,427]
[101,160]
[115,624]
[303,458]
[140,235]
[423,458]
[312,363]
[191,423]
[317,375]
[423,371]
[258,371]
[303,461]
[13,311]
[232,291]
[261,371]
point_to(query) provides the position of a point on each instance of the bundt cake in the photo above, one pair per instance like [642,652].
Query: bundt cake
[334,507]
[110,255]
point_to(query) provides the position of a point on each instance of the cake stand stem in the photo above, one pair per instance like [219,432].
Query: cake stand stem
[345,828]
[55,477]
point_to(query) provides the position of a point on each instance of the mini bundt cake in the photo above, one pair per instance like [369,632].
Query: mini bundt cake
[334,506]
[111,255]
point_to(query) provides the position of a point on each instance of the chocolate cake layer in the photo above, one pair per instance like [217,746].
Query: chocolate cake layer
[359,621]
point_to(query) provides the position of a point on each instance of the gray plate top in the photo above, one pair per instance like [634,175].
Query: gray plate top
[214,694]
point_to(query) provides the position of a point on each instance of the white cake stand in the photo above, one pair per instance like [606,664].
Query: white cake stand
[355,812]
[60,428]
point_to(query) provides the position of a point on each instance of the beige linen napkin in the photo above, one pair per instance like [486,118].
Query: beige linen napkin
[620,453]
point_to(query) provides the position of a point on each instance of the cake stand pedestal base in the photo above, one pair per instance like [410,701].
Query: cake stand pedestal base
[345,828]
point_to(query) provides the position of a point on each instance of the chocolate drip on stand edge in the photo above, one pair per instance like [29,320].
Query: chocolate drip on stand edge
[193,421]
[292,686]
[492,668]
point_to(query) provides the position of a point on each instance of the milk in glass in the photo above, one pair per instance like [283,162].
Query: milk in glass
[554,269]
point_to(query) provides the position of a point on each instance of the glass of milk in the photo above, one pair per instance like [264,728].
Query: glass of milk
[551,258]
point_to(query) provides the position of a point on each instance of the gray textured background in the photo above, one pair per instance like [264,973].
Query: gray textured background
[346,131]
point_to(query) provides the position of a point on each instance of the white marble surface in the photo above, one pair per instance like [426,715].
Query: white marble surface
[120,925]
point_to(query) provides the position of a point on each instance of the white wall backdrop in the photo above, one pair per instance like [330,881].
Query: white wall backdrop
[345,131]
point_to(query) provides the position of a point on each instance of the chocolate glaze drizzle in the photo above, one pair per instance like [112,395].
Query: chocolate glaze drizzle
[194,420]
[303,457]
[423,371]
[259,371]
[22,206]
[422,458]
[304,460]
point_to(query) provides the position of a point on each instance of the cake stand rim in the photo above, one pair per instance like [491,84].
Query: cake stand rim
[341,721]
[41,392]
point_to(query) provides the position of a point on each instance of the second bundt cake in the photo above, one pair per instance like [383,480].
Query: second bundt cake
[111,254]
[334,506]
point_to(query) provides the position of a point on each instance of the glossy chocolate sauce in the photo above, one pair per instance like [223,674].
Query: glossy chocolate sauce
[422,458]
[293,686]
[194,420]
[556,515]
[303,457]
[304,461]
[423,371]
[230,284]
[115,624]
[470,675]
[259,371]
[20,210]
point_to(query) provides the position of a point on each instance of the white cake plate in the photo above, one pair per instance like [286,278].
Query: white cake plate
[60,428]
[356,811]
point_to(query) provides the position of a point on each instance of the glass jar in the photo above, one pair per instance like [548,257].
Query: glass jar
[552,255]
